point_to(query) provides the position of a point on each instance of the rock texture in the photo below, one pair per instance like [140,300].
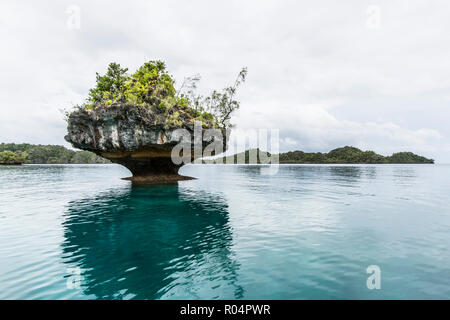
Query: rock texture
[134,137]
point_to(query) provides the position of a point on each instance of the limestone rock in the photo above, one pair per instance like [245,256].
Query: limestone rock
[135,137]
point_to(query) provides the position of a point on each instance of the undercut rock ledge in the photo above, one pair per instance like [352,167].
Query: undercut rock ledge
[134,137]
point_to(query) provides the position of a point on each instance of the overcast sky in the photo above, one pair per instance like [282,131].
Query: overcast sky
[372,74]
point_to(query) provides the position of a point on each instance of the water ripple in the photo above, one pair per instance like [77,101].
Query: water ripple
[310,231]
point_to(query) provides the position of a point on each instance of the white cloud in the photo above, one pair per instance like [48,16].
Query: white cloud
[313,128]
[316,72]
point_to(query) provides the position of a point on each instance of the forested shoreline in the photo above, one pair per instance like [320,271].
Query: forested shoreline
[47,154]
[344,155]
[55,154]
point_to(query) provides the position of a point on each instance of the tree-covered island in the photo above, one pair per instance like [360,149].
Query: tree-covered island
[136,119]
[345,155]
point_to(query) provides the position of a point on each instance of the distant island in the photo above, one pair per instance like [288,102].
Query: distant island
[24,153]
[345,155]
[16,154]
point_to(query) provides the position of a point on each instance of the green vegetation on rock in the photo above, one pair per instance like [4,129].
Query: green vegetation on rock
[340,155]
[48,154]
[151,86]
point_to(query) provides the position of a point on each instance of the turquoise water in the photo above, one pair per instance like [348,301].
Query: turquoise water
[307,232]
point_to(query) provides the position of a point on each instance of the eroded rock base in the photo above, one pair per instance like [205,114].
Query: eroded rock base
[158,179]
[149,170]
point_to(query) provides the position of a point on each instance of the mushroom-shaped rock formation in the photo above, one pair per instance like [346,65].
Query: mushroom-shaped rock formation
[143,123]
[139,138]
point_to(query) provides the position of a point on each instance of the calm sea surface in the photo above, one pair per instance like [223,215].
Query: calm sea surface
[307,232]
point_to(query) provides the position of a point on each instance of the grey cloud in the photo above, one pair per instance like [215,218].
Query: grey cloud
[316,71]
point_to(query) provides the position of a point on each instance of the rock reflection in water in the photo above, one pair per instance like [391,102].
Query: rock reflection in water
[152,242]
